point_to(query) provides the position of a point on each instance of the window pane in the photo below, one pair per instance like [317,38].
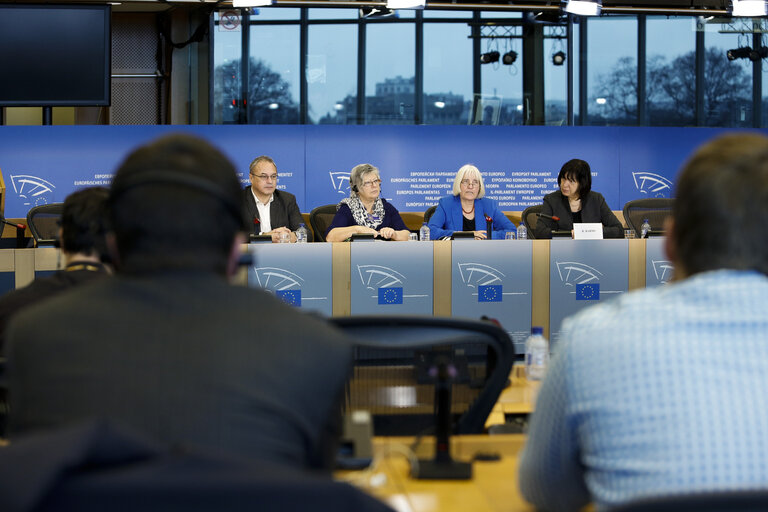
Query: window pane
[429,13]
[728,84]
[273,75]
[333,14]
[612,71]
[389,73]
[447,73]
[671,71]
[227,52]
[501,98]
[332,74]
[275,13]
[555,75]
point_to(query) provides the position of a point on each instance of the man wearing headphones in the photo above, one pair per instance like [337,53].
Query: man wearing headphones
[270,210]
[81,238]
[168,346]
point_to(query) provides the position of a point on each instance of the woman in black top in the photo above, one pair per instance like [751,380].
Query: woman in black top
[576,202]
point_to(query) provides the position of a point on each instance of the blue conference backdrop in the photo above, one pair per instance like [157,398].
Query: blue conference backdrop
[299,274]
[658,269]
[391,278]
[493,278]
[583,273]
[43,164]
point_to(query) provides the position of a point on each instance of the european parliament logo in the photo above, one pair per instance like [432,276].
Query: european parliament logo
[663,270]
[391,295]
[489,293]
[33,191]
[291,297]
[589,291]
[652,185]
[340,182]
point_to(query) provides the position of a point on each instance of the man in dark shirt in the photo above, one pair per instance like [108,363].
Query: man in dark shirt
[82,246]
[168,346]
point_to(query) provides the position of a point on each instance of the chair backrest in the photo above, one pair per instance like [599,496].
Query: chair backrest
[530,218]
[320,218]
[43,222]
[395,360]
[430,211]
[655,209]
[723,501]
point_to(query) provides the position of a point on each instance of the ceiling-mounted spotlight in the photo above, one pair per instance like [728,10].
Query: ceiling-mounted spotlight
[406,4]
[508,58]
[558,58]
[739,53]
[758,53]
[748,8]
[251,3]
[584,7]
[375,12]
[487,58]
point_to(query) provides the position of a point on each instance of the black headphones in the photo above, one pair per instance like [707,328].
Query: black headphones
[186,180]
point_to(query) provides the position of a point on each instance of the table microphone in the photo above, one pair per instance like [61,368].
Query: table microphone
[17,226]
[553,217]
[488,227]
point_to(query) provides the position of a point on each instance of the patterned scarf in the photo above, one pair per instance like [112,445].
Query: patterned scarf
[361,215]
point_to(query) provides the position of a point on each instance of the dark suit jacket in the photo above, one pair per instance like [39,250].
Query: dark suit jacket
[593,209]
[282,212]
[43,287]
[186,358]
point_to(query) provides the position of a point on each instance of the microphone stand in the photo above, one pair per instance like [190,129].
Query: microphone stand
[488,227]
[20,228]
[443,467]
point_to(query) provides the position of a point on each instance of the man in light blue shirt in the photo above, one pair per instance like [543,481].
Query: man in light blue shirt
[665,391]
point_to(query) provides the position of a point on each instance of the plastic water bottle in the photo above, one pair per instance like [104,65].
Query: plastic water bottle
[301,234]
[536,354]
[424,233]
[644,229]
[522,232]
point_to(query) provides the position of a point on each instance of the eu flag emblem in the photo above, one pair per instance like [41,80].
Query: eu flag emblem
[490,293]
[588,291]
[292,297]
[392,295]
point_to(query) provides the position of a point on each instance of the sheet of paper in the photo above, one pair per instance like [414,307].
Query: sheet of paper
[588,231]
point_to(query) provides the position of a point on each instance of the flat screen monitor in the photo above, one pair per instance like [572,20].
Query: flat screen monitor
[54,55]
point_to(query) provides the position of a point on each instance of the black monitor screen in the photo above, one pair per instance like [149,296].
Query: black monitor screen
[54,55]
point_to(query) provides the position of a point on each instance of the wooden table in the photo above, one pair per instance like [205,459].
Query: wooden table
[493,486]
[494,483]
[516,399]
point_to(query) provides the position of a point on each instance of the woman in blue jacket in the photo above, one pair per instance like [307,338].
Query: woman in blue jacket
[468,210]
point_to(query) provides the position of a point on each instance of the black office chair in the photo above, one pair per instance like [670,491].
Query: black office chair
[530,218]
[655,209]
[429,213]
[43,222]
[396,359]
[96,466]
[320,218]
[724,501]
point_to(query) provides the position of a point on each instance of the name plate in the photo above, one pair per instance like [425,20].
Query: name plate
[588,231]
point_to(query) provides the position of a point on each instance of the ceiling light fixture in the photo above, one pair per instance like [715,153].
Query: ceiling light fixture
[251,3]
[509,58]
[487,58]
[748,8]
[376,12]
[558,58]
[406,4]
[738,53]
[584,7]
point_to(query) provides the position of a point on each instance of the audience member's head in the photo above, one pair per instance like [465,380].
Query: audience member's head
[721,207]
[83,223]
[578,171]
[175,204]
